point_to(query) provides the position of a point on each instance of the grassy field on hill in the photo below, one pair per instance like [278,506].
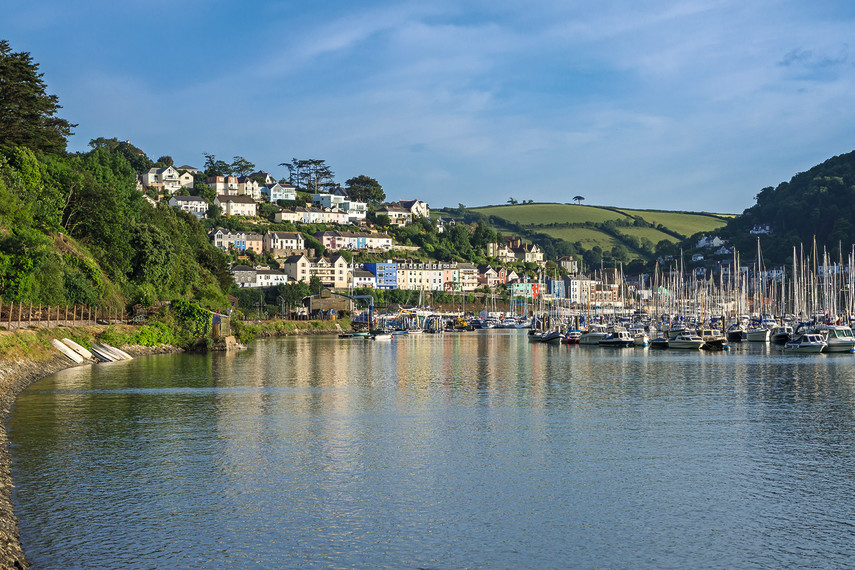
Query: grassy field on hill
[683,223]
[528,214]
[638,231]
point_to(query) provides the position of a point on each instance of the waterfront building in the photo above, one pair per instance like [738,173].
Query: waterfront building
[385,274]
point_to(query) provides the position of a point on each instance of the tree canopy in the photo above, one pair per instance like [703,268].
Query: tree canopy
[27,113]
[365,189]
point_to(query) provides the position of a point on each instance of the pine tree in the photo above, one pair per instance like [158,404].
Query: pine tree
[27,113]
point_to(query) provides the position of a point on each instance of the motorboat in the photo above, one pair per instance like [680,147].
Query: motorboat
[686,340]
[757,334]
[838,338]
[808,342]
[713,339]
[639,336]
[551,337]
[618,339]
[781,334]
[594,334]
[572,337]
[659,342]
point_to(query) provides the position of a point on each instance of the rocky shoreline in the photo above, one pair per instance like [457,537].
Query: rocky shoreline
[15,377]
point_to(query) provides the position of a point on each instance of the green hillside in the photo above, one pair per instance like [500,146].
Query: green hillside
[597,232]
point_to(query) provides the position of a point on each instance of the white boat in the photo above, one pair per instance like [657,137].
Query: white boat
[808,342]
[838,338]
[107,350]
[119,351]
[759,334]
[618,339]
[66,351]
[594,334]
[77,348]
[639,336]
[101,354]
[686,340]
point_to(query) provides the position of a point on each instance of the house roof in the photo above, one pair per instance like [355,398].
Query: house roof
[188,198]
[286,235]
[223,198]
[363,274]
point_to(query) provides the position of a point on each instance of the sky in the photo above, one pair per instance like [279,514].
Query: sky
[682,105]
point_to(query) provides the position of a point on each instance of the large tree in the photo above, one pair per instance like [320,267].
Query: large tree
[365,189]
[241,166]
[310,174]
[27,113]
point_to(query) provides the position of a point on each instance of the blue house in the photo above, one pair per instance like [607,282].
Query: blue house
[386,274]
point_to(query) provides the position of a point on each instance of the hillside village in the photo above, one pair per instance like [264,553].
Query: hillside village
[357,232]
[296,261]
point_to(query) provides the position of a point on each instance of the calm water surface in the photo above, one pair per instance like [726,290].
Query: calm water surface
[454,451]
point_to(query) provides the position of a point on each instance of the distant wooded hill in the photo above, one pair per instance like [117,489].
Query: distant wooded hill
[819,203]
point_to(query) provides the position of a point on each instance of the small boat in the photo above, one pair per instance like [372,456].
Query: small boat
[659,342]
[639,336]
[572,337]
[594,334]
[551,337]
[618,339]
[713,340]
[838,338]
[380,334]
[101,354]
[66,351]
[758,334]
[77,348]
[781,334]
[120,352]
[736,332]
[808,342]
[686,340]
[114,353]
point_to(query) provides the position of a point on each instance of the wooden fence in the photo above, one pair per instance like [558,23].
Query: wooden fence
[21,316]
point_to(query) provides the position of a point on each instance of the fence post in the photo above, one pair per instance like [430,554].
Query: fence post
[20,310]
[48,316]
[30,316]
[66,315]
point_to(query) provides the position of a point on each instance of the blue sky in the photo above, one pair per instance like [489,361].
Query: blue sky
[692,105]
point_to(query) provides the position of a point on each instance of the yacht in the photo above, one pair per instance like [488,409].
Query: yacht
[686,340]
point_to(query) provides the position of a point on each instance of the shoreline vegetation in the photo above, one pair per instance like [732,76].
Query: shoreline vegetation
[26,357]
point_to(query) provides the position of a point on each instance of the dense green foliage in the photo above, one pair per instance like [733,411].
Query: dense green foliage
[74,229]
[818,203]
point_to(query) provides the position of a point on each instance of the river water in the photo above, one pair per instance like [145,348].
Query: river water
[449,451]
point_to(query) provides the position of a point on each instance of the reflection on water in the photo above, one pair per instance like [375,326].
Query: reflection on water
[457,450]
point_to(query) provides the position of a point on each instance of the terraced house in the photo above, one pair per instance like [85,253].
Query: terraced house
[354,241]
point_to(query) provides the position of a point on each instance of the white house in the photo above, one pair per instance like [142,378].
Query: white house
[279,241]
[192,204]
[236,205]
[417,208]
[363,279]
[163,179]
[276,192]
